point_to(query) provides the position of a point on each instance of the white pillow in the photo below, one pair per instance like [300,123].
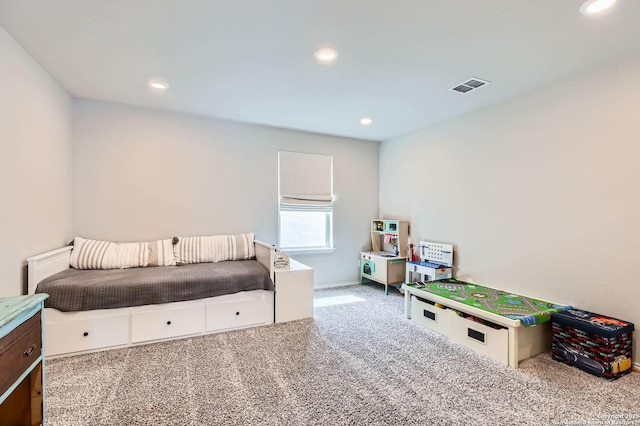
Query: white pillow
[95,254]
[217,248]
[161,253]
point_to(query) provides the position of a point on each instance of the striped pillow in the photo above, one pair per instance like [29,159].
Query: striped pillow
[217,248]
[161,253]
[94,254]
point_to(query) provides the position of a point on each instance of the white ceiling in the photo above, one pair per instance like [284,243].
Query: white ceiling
[252,60]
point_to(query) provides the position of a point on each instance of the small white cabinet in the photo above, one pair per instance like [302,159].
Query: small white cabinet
[294,292]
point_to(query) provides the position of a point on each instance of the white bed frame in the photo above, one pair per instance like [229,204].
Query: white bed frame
[71,333]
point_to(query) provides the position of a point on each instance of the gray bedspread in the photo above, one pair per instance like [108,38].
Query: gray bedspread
[83,290]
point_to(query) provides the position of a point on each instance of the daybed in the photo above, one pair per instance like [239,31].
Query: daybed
[504,326]
[105,295]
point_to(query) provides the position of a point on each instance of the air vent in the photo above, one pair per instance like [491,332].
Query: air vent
[462,88]
[469,85]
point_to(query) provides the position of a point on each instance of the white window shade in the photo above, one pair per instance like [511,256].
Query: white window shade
[305,181]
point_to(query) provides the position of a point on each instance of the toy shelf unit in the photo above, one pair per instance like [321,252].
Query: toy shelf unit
[436,262]
[390,236]
[385,264]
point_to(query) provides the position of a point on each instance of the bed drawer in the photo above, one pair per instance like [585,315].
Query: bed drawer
[78,333]
[18,350]
[481,338]
[237,314]
[162,324]
[437,319]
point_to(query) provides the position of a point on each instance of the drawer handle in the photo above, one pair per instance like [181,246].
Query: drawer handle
[85,334]
[429,314]
[476,335]
[29,351]
[168,322]
[237,313]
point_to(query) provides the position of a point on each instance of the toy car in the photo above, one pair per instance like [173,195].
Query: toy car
[579,359]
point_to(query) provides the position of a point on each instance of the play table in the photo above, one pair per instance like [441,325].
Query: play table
[507,327]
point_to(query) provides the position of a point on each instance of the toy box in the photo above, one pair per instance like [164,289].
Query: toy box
[594,343]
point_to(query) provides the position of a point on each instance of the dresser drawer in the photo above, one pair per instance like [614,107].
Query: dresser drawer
[163,324]
[238,314]
[79,333]
[18,350]
[481,338]
[431,316]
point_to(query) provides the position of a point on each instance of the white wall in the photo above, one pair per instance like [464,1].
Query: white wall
[539,194]
[35,141]
[141,175]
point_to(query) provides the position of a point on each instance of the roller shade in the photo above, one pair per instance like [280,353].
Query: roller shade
[306,182]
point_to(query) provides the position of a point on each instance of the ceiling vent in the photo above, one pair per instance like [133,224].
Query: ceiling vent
[469,85]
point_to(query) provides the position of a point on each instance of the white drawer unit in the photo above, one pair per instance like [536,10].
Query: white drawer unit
[486,340]
[479,337]
[237,314]
[163,324]
[69,333]
[80,332]
[509,342]
[429,315]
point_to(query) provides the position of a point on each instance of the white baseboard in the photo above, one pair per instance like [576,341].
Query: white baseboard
[332,285]
[636,366]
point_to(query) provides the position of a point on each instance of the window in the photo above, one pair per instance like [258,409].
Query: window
[305,211]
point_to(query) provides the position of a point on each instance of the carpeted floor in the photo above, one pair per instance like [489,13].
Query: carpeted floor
[358,362]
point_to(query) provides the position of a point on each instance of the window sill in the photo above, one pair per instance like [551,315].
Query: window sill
[303,251]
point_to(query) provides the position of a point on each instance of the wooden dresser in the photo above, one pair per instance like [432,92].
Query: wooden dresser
[21,360]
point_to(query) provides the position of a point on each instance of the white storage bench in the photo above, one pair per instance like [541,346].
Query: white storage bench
[504,339]
[87,331]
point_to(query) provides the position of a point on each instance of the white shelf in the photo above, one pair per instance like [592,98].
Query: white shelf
[294,292]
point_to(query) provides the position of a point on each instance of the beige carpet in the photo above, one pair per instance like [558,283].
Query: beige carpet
[359,362]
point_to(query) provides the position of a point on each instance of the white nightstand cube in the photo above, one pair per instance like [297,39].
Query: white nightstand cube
[294,292]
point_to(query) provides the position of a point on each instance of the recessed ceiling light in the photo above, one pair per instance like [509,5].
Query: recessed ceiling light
[326,55]
[590,7]
[366,121]
[158,85]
